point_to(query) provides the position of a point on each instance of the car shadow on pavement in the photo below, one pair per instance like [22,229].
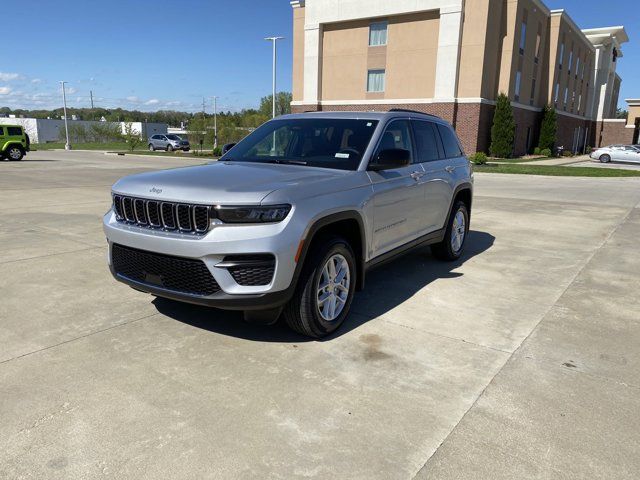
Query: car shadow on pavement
[386,287]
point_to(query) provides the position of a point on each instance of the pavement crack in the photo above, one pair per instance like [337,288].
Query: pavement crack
[71,340]
[533,330]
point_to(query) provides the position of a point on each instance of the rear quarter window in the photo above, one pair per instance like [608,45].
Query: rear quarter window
[14,131]
[450,142]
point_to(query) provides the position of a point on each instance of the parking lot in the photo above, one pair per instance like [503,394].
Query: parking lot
[519,361]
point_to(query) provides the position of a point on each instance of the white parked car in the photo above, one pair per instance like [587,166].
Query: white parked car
[617,153]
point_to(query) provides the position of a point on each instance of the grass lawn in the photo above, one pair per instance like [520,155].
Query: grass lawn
[555,171]
[519,159]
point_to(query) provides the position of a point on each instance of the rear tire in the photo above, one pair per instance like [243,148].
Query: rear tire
[320,304]
[605,158]
[455,235]
[15,153]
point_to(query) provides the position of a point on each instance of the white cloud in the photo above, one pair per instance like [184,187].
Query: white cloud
[133,99]
[71,90]
[153,101]
[5,90]
[7,77]
[36,80]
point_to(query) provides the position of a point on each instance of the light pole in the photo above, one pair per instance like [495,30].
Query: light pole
[67,146]
[215,122]
[273,98]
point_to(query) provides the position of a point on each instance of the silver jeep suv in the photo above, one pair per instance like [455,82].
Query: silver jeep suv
[290,219]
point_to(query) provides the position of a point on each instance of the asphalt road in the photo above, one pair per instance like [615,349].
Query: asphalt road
[519,361]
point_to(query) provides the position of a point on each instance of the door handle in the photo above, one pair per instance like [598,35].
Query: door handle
[450,168]
[417,175]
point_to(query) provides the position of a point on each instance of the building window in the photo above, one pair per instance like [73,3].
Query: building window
[570,62]
[378,34]
[518,82]
[577,66]
[523,37]
[538,43]
[533,92]
[566,97]
[375,81]
[556,93]
[579,102]
[561,57]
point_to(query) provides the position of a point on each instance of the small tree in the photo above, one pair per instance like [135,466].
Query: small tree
[503,129]
[548,129]
[131,136]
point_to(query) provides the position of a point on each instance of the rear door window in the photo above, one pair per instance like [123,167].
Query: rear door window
[14,131]
[449,142]
[427,141]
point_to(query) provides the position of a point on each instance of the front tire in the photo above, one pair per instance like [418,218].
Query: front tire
[325,289]
[15,153]
[605,159]
[455,235]
[151,148]
[169,148]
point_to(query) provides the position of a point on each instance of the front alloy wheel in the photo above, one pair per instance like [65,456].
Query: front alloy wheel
[15,153]
[325,289]
[333,287]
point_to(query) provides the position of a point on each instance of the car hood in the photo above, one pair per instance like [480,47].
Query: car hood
[231,183]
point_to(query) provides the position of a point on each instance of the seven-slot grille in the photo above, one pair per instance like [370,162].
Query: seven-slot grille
[178,274]
[182,217]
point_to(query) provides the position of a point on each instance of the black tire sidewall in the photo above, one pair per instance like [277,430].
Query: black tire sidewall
[605,159]
[459,206]
[334,246]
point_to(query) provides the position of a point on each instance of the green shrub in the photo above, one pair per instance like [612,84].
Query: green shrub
[546,152]
[588,150]
[503,129]
[217,152]
[479,158]
[548,128]
[567,153]
[536,151]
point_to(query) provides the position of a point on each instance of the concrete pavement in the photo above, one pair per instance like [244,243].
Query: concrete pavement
[519,361]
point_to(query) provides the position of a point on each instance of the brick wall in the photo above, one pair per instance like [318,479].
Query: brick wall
[610,133]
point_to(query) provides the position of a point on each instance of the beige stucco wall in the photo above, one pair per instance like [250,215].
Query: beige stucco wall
[409,58]
[412,52]
[344,60]
[298,54]
[561,29]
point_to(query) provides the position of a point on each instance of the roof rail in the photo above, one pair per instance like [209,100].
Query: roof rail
[407,110]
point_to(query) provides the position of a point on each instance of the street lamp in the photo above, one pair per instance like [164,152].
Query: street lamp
[215,122]
[67,146]
[273,98]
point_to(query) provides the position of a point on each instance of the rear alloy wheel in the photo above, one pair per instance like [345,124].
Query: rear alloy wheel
[605,158]
[326,289]
[455,235]
[151,148]
[15,153]
[169,148]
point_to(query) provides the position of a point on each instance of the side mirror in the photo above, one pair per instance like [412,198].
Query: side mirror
[227,146]
[390,159]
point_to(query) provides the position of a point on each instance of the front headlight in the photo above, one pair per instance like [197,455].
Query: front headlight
[253,214]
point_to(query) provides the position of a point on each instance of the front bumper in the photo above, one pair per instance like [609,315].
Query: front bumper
[279,239]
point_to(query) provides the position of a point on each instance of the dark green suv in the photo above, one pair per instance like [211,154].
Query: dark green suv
[14,142]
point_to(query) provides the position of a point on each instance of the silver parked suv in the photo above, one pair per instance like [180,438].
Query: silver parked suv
[168,142]
[290,219]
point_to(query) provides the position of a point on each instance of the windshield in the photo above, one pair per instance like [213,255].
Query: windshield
[173,137]
[317,142]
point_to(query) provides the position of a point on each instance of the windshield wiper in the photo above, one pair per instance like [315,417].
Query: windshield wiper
[287,162]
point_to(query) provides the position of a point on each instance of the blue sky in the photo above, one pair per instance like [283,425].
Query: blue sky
[168,55]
